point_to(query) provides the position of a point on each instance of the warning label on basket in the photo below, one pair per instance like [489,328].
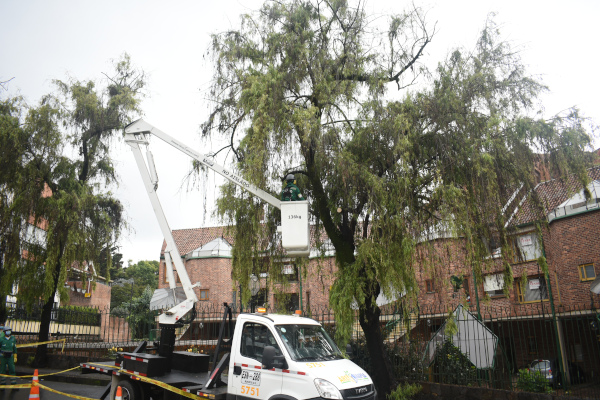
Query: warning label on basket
[251,378]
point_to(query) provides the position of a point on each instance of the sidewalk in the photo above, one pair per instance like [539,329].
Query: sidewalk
[73,376]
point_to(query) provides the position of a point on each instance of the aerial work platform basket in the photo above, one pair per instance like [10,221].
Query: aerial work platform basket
[295,229]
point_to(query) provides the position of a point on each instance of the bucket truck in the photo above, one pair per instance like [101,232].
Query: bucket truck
[269,356]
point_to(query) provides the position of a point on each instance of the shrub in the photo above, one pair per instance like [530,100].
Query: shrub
[452,366]
[533,381]
[404,391]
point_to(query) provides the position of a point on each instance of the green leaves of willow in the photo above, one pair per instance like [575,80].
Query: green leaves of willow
[56,163]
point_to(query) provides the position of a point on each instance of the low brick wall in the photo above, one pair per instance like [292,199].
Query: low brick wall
[440,391]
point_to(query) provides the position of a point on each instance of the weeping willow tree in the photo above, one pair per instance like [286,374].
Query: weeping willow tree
[316,89]
[55,211]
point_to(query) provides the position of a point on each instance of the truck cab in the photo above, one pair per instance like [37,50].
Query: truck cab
[291,357]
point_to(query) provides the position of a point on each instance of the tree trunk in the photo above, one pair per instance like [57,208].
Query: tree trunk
[381,369]
[41,353]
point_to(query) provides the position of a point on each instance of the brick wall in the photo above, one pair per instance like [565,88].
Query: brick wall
[568,243]
[571,242]
[214,274]
[100,297]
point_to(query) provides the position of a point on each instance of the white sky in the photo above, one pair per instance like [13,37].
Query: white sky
[44,40]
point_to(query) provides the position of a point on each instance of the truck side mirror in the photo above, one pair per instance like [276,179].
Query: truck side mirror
[271,360]
[349,350]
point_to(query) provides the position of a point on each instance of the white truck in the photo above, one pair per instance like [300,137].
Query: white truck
[267,356]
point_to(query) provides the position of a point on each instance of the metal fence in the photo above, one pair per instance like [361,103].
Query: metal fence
[489,346]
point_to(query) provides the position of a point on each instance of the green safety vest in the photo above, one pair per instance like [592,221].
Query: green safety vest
[291,193]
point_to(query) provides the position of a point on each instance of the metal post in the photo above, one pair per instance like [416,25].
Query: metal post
[557,332]
[476,297]
[300,281]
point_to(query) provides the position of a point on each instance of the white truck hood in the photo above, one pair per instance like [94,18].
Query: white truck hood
[344,374]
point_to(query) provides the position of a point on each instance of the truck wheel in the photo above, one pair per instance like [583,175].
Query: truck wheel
[130,390]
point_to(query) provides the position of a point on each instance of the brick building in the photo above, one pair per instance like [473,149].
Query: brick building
[569,242]
[542,317]
[79,281]
[206,253]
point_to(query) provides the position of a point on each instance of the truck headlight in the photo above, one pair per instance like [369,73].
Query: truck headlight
[327,390]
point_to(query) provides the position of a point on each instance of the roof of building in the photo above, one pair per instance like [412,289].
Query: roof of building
[552,194]
[218,247]
[188,240]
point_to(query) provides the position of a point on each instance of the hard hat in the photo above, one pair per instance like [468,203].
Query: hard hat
[289,177]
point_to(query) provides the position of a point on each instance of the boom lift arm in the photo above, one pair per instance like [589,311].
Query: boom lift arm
[295,229]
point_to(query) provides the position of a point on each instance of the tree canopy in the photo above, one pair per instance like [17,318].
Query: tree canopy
[132,281]
[55,211]
[308,87]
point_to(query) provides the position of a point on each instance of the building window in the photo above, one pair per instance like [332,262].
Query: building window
[526,247]
[164,275]
[535,290]
[204,295]
[493,285]
[290,271]
[587,272]
[35,236]
[466,289]
[429,286]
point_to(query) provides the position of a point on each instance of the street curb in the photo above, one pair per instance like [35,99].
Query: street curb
[67,377]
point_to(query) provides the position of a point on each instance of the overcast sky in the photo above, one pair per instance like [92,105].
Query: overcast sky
[53,39]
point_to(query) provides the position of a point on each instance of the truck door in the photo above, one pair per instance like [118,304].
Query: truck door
[249,380]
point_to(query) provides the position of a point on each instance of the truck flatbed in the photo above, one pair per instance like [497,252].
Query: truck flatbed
[188,382]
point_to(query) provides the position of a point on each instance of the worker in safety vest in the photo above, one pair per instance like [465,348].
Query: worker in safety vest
[291,192]
[8,355]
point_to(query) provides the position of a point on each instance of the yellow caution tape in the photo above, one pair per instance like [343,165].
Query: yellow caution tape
[52,373]
[40,343]
[165,386]
[93,364]
[23,386]
[64,394]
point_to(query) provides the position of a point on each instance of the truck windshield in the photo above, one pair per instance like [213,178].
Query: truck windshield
[308,343]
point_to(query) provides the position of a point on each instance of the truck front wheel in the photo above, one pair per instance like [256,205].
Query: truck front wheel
[130,390]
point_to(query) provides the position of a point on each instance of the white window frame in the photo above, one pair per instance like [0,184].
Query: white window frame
[493,285]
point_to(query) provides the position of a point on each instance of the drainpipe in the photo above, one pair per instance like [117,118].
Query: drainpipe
[476,297]
[300,281]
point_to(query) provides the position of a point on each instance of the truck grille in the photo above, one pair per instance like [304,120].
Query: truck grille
[359,393]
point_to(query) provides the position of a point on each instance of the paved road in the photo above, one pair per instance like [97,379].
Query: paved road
[90,391]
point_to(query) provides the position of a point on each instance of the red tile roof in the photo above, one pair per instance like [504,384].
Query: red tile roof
[551,194]
[191,239]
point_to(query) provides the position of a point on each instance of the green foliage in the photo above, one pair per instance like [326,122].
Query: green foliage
[533,382]
[109,263]
[56,211]
[50,188]
[407,359]
[452,366]
[405,391]
[78,315]
[132,281]
[138,314]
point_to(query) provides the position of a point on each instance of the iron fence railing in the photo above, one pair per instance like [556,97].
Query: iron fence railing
[464,345]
